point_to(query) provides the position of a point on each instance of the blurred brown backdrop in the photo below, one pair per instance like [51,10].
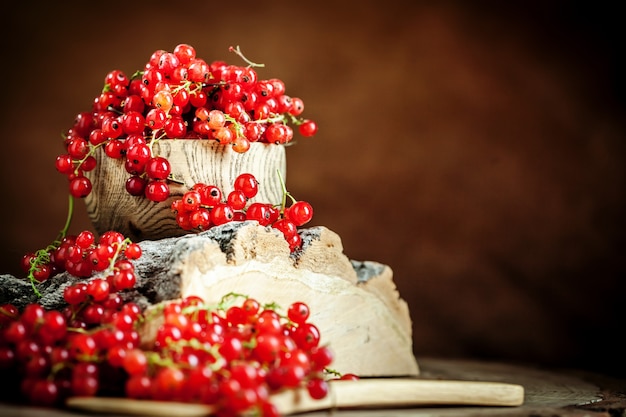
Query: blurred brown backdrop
[475,147]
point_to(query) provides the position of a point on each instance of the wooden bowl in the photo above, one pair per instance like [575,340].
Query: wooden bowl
[110,207]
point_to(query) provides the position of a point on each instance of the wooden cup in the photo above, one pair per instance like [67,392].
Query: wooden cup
[193,161]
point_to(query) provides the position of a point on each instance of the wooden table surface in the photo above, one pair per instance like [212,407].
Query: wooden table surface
[548,393]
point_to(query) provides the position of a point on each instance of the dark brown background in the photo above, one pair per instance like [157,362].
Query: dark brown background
[475,147]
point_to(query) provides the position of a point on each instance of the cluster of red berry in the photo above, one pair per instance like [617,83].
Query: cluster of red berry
[232,356]
[83,255]
[177,95]
[205,206]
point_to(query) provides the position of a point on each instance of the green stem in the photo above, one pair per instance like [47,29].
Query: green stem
[237,50]
[68,220]
[286,193]
[43,255]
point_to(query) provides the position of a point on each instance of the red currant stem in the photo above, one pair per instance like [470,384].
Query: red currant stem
[42,256]
[187,86]
[273,119]
[295,120]
[68,222]
[137,74]
[156,138]
[155,359]
[333,372]
[119,248]
[238,126]
[58,367]
[286,193]
[227,300]
[92,151]
[114,110]
[151,143]
[237,51]
[196,87]
[172,178]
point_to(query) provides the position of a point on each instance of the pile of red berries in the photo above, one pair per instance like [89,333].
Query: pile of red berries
[177,95]
[205,206]
[232,356]
[82,255]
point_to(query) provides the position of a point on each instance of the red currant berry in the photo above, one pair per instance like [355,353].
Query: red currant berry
[298,312]
[261,212]
[136,185]
[64,164]
[158,168]
[300,212]
[308,128]
[236,199]
[133,251]
[80,187]
[248,184]
[222,213]
[157,191]
[210,195]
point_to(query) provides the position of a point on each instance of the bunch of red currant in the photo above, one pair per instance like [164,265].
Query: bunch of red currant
[205,206]
[83,255]
[232,356]
[177,95]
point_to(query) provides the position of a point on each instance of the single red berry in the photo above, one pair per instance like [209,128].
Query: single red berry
[75,294]
[200,218]
[308,128]
[114,149]
[261,212]
[97,136]
[248,184]
[221,213]
[155,119]
[321,357]
[300,212]
[64,164]
[210,195]
[85,239]
[84,123]
[157,191]
[133,251]
[297,106]
[133,122]
[98,289]
[317,388]
[236,199]
[278,133]
[191,200]
[77,147]
[241,144]
[158,168]
[175,127]
[112,128]
[80,187]
[138,153]
[286,226]
[298,312]
[136,185]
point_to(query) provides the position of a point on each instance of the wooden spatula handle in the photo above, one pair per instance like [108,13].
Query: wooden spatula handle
[364,393]
[395,392]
